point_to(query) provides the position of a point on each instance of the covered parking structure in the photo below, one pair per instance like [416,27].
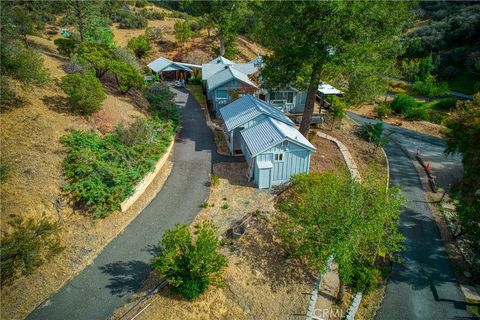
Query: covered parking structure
[171,70]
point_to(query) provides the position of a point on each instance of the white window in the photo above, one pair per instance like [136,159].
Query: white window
[278,157]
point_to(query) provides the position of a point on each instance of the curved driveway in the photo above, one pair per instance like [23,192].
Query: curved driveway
[118,271]
[423,286]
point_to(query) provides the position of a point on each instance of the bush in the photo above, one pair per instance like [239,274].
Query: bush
[401,103]
[430,88]
[103,172]
[436,116]
[161,102]
[418,113]
[183,32]
[364,278]
[66,46]
[126,76]
[382,111]
[153,33]
[445,104]
[152,14]
[189,266]
[139,45]
[75,66]
[130,20]
[128,57]
[373,133]
[27,246]
[85,92]
[96,56]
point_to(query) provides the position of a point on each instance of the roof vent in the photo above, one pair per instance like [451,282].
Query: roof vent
[226,67]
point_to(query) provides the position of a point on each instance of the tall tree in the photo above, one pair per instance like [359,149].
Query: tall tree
[353,42]
[223,15]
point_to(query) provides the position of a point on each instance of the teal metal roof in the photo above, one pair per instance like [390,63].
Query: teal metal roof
[269,133]
[210,69]
[227,74]
[220,60]
[164,64]
[246,108]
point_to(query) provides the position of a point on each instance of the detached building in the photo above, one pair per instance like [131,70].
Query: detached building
[273,148]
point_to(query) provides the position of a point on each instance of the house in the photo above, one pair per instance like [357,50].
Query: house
[244,113]
[168,69]
[225,80]
[226,85]
[289,100]
[273,148]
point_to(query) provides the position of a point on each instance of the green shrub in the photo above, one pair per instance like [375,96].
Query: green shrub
[382,111]
[364,278]
[215,180]
[66,46]
[445,104]
[152,14]
[401,103]
[96,56]
[128,57]
[103,172]
[4,172]
[130,20]
[153,33]
[190,266]
[126,76]
[161,102]
[183,32]
[430,88]
[418,113]
[27,246]
[436,116]
[225,206]
[85,92]
[139,45]
[373,133]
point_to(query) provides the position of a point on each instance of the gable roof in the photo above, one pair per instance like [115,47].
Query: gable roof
[164,64]
[247,108]
[209,69]
[327,89]
[269,133]
[227,74]
[247,68]
[220,60]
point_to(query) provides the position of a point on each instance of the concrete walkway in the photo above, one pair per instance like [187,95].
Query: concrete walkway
[119,270]
[423,286]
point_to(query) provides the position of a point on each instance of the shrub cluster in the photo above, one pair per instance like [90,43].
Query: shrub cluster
[152,14]
[139,45]
[103,171]
[85,92]
[183,31]
[130,20]
[27,246]
[161,102]
[190,266]
[402,103]
[382,111]
[446,104]
[430,88]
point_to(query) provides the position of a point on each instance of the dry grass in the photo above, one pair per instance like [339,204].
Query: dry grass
[416,125]
[221,142]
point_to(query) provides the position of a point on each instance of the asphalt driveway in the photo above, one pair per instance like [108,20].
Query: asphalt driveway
[119,270]
[423,286]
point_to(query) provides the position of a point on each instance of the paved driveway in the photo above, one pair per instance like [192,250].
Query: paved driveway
[423,286]
[121,267]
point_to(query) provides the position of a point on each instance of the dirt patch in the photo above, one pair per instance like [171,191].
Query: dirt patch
[420,126]
[327,156]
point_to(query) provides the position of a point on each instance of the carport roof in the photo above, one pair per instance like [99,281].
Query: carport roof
[269,133]
[164,64]
[247,108]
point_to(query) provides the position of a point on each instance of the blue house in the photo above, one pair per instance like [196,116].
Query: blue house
[273,148]
[224,81]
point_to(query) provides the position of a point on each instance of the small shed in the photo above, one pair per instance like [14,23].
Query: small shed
[274,152]
[169,69]
[244,113]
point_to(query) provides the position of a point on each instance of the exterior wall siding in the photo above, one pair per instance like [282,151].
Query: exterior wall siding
[229,86]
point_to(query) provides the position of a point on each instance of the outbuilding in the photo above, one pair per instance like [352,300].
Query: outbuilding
[272,146]
[170,70]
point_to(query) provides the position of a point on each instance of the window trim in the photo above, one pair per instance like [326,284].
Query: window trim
[280,156]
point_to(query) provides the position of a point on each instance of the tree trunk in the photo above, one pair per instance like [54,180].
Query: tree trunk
[341,292]
[222,45]
[310,102]
[81,23]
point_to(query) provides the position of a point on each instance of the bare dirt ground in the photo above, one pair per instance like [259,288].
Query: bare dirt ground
[420,126]
[30,134]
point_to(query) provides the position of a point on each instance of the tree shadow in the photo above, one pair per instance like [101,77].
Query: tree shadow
[58,104]
[126,277]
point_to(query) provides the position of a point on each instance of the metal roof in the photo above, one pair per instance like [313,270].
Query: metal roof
[269,133]
[247,68]
[247,108]
[210,69]
[189,65]
[164,64]
[327,89]
[229,73]
[220,60]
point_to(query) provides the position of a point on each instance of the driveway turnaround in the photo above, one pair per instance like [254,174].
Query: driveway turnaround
[423,286]
[119,270]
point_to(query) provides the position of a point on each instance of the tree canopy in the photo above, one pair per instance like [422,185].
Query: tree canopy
[355,43]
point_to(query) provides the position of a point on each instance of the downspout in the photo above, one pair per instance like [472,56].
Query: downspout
[231,142]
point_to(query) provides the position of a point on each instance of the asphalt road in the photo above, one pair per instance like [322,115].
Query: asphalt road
[119,270]
[423,286]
